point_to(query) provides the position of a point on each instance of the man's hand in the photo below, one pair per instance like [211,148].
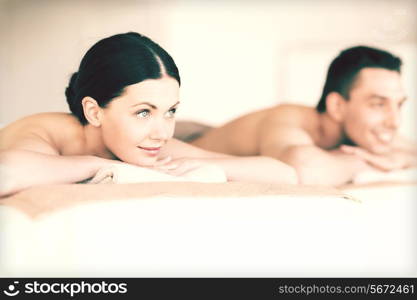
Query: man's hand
[394,160]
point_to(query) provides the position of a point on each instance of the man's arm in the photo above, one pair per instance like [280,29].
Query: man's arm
[408,149]
[402,156]
[314,165]
[403,144]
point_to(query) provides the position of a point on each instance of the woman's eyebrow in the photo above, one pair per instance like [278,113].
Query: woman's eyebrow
[178,102]
[152,105]
[144,103]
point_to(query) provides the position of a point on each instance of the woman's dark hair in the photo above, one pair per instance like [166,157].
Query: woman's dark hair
[114,63]
[345,67]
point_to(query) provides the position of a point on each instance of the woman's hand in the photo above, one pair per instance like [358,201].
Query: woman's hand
[248,169]
[179,166]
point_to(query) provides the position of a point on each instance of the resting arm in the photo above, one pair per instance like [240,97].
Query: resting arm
[408,149]
[248,168]
[400,157]
[314,165]
[256,169]
[20,169]
[318,166]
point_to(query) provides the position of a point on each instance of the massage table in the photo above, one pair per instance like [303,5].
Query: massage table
[193,229]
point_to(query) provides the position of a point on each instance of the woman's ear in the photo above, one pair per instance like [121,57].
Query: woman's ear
[336,106]
[92,111]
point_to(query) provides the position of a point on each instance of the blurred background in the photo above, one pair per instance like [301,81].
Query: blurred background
[234,56]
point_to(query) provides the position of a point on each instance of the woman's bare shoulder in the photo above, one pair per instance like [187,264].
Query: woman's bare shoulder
[43,132]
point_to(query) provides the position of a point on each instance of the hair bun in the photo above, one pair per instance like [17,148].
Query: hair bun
[70,90]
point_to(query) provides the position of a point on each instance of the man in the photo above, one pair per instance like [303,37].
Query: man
[352,129]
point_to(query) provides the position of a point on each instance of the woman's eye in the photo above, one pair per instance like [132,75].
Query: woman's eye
[172,112]
[143,113]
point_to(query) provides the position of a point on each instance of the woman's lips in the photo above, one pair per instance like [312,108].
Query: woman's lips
[152,151]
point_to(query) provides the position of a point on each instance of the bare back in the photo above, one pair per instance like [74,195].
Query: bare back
[281,124]
[48,133]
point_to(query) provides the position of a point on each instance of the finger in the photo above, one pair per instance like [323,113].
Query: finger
[107,180]
[185,168]
[361,153]
[358,151]
[347,149]
[163,161]
[376,161]
[168,166]
[383,166]
[101,175]
[172,169]
[177,171]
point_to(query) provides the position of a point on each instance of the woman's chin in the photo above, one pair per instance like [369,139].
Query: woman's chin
[143,162]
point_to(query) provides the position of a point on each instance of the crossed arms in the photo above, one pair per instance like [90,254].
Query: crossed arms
[314,165]
[33,162]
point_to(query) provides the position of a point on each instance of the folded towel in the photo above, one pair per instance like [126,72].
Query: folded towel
[406,175]
[126,173]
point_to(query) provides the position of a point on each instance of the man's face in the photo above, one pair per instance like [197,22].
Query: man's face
[372,112]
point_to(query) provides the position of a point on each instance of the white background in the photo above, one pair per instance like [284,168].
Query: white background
[234,56]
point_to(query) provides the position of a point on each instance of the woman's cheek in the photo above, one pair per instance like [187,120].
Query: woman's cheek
[172,130]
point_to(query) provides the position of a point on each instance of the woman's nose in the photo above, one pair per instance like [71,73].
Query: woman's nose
[160,131]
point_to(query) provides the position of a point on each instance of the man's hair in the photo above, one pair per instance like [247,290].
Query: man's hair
[344,69]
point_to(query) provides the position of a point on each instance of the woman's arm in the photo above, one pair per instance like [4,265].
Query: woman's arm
[20,169]
[256,169]
[237,168]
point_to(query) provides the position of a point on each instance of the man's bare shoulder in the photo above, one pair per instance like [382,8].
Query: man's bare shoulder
[292,115]
[42,128]
[290,124]
[285,126]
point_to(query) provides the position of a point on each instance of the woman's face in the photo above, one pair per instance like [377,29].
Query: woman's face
[136,125]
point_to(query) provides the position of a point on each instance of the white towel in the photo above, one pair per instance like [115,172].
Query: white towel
[126,173]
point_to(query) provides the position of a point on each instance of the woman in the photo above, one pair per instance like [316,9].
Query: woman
[123,101]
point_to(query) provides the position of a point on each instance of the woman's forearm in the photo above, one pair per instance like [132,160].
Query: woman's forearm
[256,169]
[243,168]
[20,169]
